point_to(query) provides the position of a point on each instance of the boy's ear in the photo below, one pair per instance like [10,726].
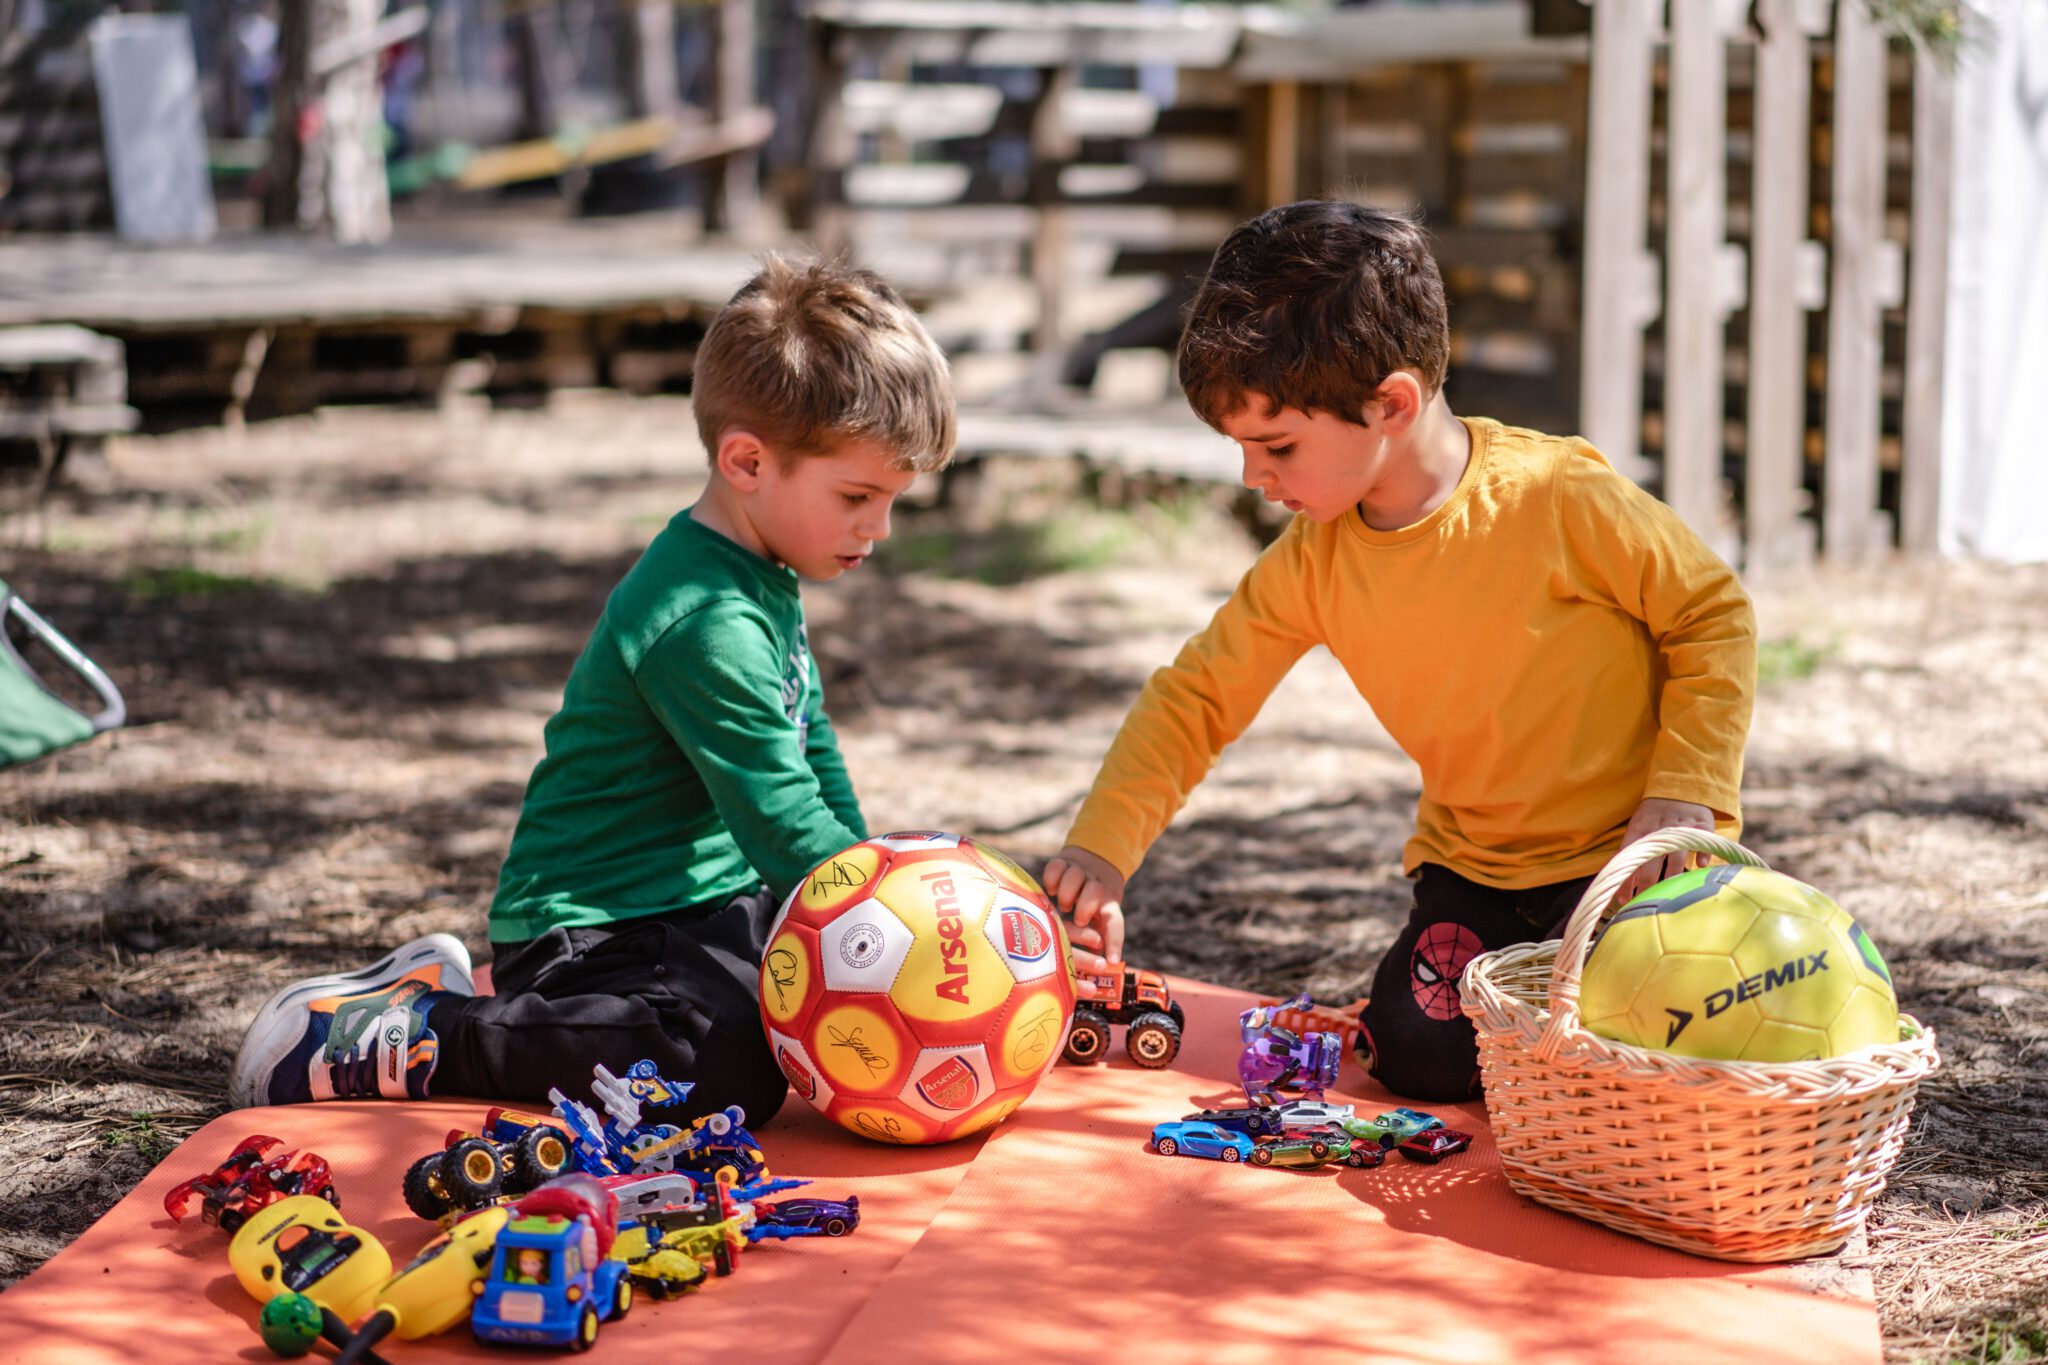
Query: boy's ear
[741,459]
[1399,399]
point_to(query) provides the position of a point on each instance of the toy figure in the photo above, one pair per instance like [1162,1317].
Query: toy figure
[251,1178]
[620,1144]
[1275,1058]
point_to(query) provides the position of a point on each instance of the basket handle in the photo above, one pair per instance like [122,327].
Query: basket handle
[1602,898]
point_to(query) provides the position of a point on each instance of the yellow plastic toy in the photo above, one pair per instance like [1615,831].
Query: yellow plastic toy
[301,1245]
[435,1290]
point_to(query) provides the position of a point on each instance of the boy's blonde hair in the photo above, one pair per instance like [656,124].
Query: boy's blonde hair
[1312,305]
[808,355]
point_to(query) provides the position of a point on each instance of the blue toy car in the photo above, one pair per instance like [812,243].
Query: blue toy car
[805,1218]
[548,1286]
[1201,1139]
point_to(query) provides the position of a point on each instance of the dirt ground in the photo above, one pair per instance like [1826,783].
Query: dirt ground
[340,636]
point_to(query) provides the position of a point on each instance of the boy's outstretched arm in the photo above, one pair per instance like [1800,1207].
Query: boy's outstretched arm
[1092,891]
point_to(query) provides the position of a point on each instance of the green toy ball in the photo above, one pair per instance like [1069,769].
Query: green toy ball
[290,1324]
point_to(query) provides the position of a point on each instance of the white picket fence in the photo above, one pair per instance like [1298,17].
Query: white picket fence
[1852,277]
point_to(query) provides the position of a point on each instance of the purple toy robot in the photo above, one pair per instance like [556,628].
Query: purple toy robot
[1275,1058]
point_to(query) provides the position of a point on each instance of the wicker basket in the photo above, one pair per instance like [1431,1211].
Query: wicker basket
[1742,1161]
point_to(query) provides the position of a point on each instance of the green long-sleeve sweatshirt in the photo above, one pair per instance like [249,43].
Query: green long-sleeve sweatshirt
[691,758]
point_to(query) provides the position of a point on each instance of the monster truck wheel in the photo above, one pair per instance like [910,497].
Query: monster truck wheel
[1089,1038]
[539,1156]
[470,1173]
[1152,1040]
[422,1189]
[1167,1146]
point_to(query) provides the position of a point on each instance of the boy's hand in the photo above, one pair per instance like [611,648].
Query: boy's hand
[1089,890]
[1654,814]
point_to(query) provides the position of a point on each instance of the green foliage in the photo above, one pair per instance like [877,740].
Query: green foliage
[1940,28]
[1077,538]
[141,1133]
[2006,1343]
[1780,661]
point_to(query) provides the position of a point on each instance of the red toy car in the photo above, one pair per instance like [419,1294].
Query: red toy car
[251,1179]
[1433,1145]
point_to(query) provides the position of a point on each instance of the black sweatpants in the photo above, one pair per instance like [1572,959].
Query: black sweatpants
[682,989]
[1411,1034]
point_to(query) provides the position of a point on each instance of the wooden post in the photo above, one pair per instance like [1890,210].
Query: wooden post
[1695,227]
[1052,148]
[356,196]
[1777,535]
[1927,306]
[647,58]
[290,91]
[1282,152]
[1620,289]
[734,203]
[820,202]
[1852,528]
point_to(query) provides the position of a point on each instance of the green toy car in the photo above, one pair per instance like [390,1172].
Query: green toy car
[1313,1153]
[1391,1129]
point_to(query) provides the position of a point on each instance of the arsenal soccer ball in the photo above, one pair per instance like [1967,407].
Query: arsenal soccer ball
[916,986]
[1740,964]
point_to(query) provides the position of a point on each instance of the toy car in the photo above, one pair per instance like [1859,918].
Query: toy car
[1434,1144]
[549,1285]
[1300,1115]
[711,1232]
[1391,1128]
[800,1217]
[1304,1153]
[1152,1019]
[662,1271]
[251,1179]
[515,1152]
[1253,1121]
[1202,1139]
[642,1196]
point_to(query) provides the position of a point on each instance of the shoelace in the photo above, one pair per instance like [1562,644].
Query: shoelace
[354,1077]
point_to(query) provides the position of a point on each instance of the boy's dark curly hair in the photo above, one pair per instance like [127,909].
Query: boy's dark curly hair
[1311,306]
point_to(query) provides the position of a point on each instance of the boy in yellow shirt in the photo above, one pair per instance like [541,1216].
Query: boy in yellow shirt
[1569,665]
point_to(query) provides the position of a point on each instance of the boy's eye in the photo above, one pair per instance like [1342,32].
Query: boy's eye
[856,499]
[1279,452]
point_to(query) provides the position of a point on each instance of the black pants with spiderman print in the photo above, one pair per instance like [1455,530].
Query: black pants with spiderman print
[1411,1033]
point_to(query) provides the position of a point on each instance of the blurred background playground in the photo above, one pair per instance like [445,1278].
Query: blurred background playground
[344,364]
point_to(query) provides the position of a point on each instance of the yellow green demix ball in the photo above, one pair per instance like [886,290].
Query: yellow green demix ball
[1738,964]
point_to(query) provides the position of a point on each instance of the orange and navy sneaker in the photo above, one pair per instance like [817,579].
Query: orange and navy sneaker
[359,1035]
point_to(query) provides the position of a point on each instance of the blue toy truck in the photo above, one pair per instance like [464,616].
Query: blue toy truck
[548,1286]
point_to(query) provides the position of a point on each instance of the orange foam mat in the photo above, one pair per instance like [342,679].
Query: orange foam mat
[1059,1236]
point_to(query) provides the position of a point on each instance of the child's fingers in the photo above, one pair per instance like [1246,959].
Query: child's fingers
[1062,882]
[1112,931]
[1086,961]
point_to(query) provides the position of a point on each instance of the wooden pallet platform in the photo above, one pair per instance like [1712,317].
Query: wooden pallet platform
[265,325]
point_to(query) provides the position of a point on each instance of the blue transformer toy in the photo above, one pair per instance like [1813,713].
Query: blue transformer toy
[716,1146]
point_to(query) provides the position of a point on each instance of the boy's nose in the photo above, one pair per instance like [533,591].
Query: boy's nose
[876,527]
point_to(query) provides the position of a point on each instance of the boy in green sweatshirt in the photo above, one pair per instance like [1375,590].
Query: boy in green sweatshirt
[691,776]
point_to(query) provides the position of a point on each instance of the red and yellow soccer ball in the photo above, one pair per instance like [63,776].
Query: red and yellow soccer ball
[916,986]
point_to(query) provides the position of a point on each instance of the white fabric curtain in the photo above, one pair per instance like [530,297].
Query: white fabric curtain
[1995,406]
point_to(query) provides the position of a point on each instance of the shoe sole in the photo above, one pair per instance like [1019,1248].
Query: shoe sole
[281,1022]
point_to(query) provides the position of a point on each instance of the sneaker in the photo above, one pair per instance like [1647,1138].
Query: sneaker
[352,1035]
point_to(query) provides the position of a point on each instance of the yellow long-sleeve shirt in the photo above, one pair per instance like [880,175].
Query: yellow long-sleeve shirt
[1552,646]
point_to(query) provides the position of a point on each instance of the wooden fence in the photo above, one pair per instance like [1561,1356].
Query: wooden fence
[1779,384]
[1763,222]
